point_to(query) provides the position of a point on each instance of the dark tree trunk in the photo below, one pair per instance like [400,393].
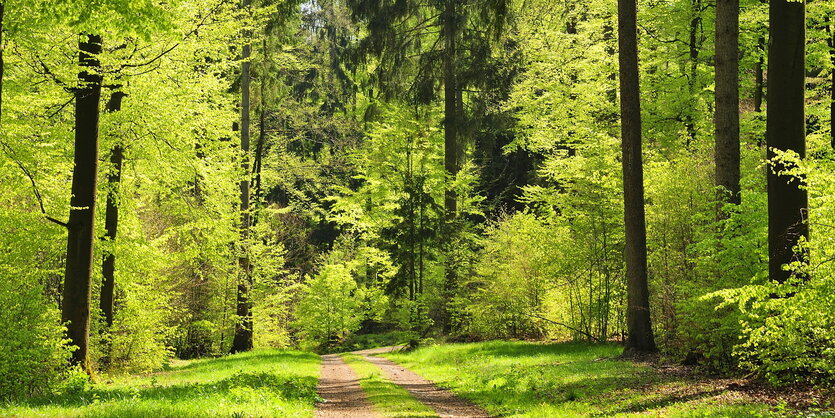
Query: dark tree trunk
[758,77]
[693,44]
[786,130]
[75,308]
[451,121]
[640,337]
[2,63]
[111,218]
[830,31]
[726,117]
[262,132]
[243,327]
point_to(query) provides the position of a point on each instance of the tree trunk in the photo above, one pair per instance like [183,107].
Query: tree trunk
[2,63]
[693,45]
[786,131]
[640,338]
[75,309]
[830,31]
[758,77]
[243,327]
[111,218]
[451,121]
[726,118]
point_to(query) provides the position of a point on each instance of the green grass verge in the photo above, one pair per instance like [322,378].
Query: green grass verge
[388,398]
[570,379]
[261,383]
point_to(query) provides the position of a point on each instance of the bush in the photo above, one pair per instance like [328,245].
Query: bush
[33,354]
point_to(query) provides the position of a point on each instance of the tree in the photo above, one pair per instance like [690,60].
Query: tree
[727,100]
[788,201]
[111,222]
[75,309]
[640,336]
[330,306]
[243,328]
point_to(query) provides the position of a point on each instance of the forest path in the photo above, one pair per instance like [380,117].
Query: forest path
[340,388]
[443,402]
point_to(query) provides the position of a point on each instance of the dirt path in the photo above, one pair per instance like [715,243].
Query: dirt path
[443,402]
[339,387]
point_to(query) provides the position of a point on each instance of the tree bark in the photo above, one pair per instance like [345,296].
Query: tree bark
[758,77]
[243,327]
[2,62]
[788,203]
[726,118]
[640,338]
[830,31]
[111,218]
[451,121]
[75,309]
[450,108]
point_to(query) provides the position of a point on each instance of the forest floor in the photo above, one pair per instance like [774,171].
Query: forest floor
[497,378]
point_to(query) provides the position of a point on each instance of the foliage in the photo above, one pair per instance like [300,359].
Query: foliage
[330,307]
[516,277]
[263,382]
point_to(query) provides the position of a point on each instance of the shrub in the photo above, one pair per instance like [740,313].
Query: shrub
[33,354]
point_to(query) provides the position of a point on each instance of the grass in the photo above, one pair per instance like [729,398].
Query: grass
[388,398]
[569,379]
[259,383]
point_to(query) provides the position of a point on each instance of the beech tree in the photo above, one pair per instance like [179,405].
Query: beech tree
[788,201]
[111,220]
[640,338]
[727,100]
[75,310]
[243,328]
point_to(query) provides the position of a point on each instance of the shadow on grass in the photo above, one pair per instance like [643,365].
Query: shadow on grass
[662,402]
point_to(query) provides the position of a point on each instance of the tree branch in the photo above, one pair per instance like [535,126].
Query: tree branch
[10,153]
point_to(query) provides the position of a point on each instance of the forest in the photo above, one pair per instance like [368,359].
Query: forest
[547,203]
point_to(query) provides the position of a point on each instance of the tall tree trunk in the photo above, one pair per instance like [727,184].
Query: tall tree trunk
[111,217]
[693,44]
[830,40]
[726,118]
[450,108]
[243,327]
[75,309]
[262,128]
[758,77]
[640,337]
[451,121]
[788,203]
[2,62]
